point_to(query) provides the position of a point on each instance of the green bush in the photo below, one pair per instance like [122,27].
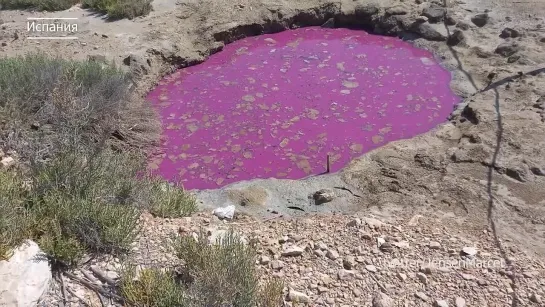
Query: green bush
[170,201]
[13,224]
[224,273]
[42,5]
[115,9]
[151,288]
[80,135]
[120,8]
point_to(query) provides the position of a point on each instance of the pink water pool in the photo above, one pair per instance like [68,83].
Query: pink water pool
[276,105]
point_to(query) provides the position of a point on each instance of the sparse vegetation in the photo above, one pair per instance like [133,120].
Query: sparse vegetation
[120,8]
[114,8]
[219,274]
[170,201]
[151,288]
[68,122]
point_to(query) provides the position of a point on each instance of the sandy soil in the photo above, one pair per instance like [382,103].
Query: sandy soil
[486,164]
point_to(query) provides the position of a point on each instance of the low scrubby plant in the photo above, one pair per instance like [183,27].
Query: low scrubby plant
[13,221]
[170,201]
[79,135]
[224,273]
[115,9]
[151,288]
[120,8]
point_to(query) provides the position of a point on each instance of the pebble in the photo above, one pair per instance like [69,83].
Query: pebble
[536,298]
[264,260]
[402,276]
[277,264]
[382,300]
[371,268]
[422,277]
[434,245]
[422,296]
[460,302]
[349,262]
[470,251]
[332,254]
[441,303]
[345,274]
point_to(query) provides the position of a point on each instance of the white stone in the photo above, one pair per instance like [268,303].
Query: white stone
[371,268]
[441,303]
[7,161]
[345,274]
[24,277]
[382,300]
[460,302]
[298,297]
[470,251]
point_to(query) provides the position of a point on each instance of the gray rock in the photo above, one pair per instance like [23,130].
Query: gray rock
[434,245]
[345,274]
[354,223]
[422,296]
[349,262]
[536,298]
[428,32]
[323,196]
[462,25]
[450,20]
[434,12]
[397,10]
[137,64]
[509,32]
[382,300]
[507,49]
[277,265]
[480,20]
[332,254]
[371,268]
[292,251]
[457,37]
[422,277]
[298,297]
[24,277]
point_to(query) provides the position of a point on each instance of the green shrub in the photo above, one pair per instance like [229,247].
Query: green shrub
[224,273]
[83,155]
[170,201]
[85,203]
[115,9]
[120,8]
[42,5]
[151,288]
[13,224]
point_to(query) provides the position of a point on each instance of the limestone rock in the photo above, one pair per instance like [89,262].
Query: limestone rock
[7,162]
[24,277]
[441,303]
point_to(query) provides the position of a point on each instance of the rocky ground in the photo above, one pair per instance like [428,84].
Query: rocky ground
[479,179]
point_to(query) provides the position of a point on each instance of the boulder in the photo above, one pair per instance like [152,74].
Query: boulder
[24,277]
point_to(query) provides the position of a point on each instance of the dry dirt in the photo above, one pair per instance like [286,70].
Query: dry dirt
[483,170]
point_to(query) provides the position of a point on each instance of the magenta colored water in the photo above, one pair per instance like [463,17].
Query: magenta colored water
[276,105]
